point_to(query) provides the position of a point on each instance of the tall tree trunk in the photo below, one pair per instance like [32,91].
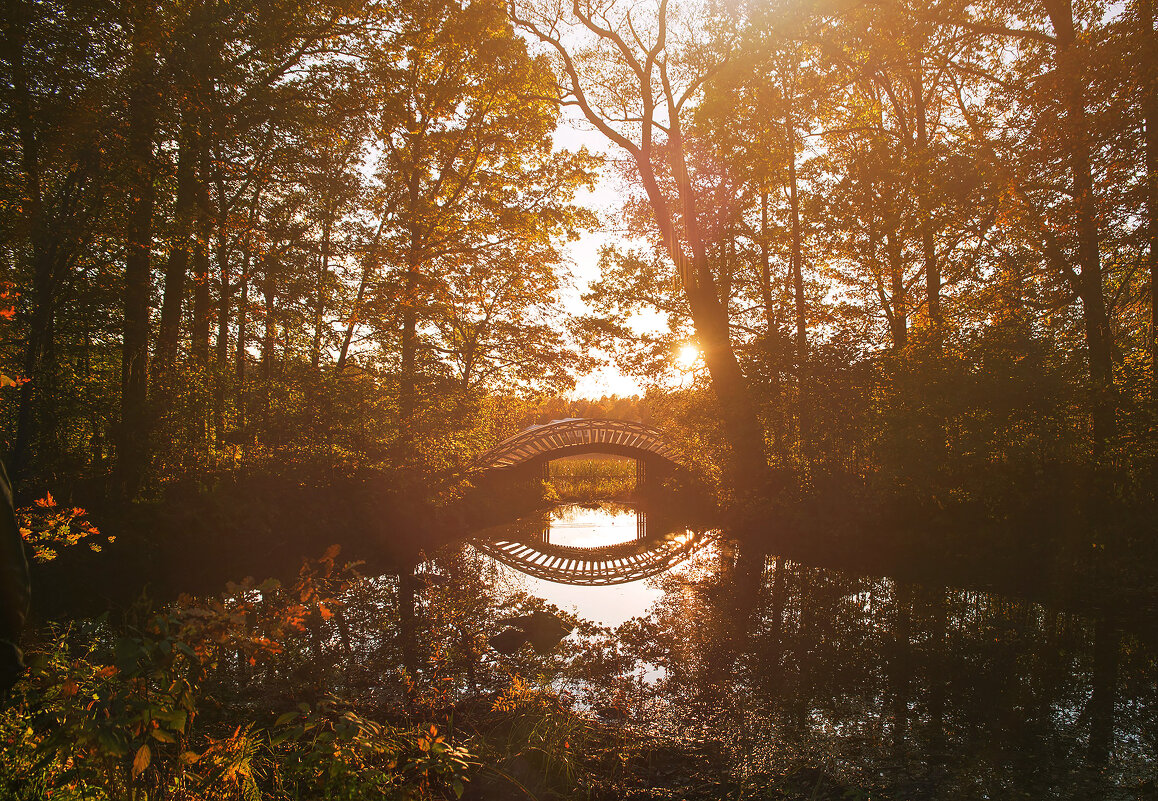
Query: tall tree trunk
[925,202]
[900,316]
[802,365]
[200,333]
[141,112]
[745,434]
[348,336]
[1099,335]
[770,323]
[224,317]
[370,266]
[177,266]
[408,350]
[408,343]
[772,330]
[42,298]
[320,292]
[242,338]
[269,338]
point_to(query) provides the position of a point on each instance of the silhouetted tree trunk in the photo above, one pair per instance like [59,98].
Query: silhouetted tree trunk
[776,345]
[199,347]
[320,291]
[925,202]
[141,113]
[269,339]
[802,366]
[177,266]
[408,342]
[242,338]
[224,318]
[899,319]
[348,336]
[770,323]
[1099,336]
[44,278]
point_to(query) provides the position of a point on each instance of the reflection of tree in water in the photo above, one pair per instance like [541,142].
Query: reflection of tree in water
[930,690]
[761,666]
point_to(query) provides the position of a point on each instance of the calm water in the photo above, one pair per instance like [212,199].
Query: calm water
[598,529]
[771,665]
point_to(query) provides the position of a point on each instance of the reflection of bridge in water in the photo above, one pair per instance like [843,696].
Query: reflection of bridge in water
[645,556]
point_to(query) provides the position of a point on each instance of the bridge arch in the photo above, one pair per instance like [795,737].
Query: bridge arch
[578,435]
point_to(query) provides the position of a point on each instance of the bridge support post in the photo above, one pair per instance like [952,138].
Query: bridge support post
[546,469]
[640,472]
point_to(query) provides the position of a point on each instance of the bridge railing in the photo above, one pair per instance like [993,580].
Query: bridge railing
[576,433]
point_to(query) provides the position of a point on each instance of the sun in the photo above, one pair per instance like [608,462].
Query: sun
[687,356]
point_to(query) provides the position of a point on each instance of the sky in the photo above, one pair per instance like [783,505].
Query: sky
[583,254]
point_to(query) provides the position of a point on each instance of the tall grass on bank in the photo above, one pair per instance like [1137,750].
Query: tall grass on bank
[593,478]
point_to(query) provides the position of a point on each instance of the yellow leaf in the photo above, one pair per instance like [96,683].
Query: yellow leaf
[141,760]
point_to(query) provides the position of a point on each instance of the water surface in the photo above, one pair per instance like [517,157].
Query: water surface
[927,691]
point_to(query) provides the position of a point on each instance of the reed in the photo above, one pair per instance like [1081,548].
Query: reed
[591,479]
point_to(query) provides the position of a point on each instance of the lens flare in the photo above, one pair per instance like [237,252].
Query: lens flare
[687,357]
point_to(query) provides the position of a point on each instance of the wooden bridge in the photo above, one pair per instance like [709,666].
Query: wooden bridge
[594,567]
[578,435]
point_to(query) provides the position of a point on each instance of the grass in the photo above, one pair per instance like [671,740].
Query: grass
[585,479]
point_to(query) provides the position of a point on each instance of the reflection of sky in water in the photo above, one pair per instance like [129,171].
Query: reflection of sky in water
[580,527]
[607,606]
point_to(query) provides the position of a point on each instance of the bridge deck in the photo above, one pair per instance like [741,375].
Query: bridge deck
[578,435]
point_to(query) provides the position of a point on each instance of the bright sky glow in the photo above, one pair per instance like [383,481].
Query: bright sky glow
[583,254]
[687,357]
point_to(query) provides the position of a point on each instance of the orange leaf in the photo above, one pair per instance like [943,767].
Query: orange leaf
[326,613]
[141,760]
[47,501]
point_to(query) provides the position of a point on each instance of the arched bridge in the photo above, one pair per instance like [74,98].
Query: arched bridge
[577,435]
[594,567]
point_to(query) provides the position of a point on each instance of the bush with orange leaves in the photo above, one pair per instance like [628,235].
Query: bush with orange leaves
[129,712]
[48,528]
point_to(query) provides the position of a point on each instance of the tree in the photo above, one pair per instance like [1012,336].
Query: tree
[635,74]
[473,196]
[58,72]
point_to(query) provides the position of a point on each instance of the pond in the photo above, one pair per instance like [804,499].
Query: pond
[752,665]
